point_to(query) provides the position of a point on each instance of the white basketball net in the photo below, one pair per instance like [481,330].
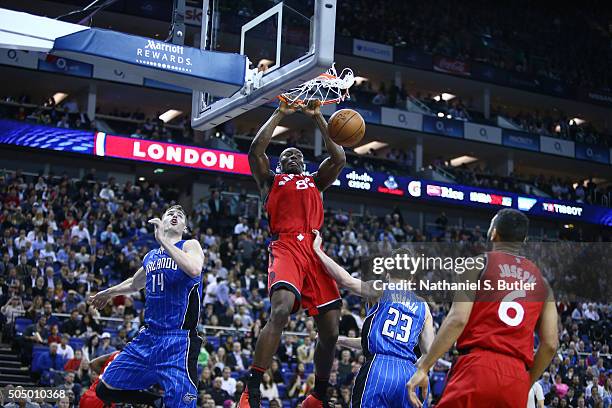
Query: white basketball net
[327,88]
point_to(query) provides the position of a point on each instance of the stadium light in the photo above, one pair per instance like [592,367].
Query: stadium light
[444,96]
[59,97]
[360,80]
[369,146]
[279,130]
[440,114]
[458,161]
[577,121]
[170,114]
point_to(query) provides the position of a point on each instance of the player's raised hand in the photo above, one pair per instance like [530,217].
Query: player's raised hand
[318,241]
[285,109]
[100,299]
[312,108]
[419,379]
[159,234]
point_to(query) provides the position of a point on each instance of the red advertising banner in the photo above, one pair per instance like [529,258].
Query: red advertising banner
[451,66]
[170,153]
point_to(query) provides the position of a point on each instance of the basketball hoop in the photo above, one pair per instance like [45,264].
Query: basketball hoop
[328,88]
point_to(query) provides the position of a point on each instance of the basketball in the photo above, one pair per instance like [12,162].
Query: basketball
[346,127]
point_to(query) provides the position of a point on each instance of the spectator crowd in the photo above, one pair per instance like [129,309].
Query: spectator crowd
[63,239]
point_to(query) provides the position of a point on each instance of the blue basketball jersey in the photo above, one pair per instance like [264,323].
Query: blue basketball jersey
[173,298]
[393,325]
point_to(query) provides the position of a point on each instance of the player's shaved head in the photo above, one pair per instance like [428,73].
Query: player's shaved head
[510,226]
[291,161]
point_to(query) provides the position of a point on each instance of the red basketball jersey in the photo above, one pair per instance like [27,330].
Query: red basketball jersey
[504,320]
[294,204]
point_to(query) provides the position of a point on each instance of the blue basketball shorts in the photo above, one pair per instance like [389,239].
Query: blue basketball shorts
[381,382]
[168,358]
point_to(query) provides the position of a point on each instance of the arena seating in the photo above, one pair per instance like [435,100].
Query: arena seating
[585,325]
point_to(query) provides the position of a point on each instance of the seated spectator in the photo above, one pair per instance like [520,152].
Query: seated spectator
[12,309]
[268,388]
[218,394]
[227,382]
[560,387]
[296,382]
[236,359]
[65,349]
[51,360]
[287,351]
[275,371]
[73,326]
[54,336]
[206,380]
[70,384]
[81,232]
[109,236]
[105,346]
[345,368]
[91,326]
[121,340]
[36,333]
[204,356]
[305,352]
[36,308]
[308,385]
[591,313]
[74,363]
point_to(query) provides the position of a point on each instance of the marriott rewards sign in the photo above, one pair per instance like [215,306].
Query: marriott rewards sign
[170,153]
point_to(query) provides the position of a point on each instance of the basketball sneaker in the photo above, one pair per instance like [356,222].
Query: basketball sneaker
[249,401]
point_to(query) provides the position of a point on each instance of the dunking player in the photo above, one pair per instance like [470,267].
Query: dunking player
[295,277]
[396,321]
[166,351]
[494,334]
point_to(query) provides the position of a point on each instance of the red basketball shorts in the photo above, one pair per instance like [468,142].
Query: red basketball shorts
[294,265]
[486,379]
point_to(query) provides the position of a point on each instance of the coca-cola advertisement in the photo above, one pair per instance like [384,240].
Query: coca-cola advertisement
[451,66]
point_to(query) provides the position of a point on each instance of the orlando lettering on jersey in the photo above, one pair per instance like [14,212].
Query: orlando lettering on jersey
[163,263]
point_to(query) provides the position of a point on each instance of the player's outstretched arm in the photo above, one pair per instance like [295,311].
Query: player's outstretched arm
[258,160]
[427,334]
[549,339]
[340,275]
[350,342]
[331,167]
[130,285]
